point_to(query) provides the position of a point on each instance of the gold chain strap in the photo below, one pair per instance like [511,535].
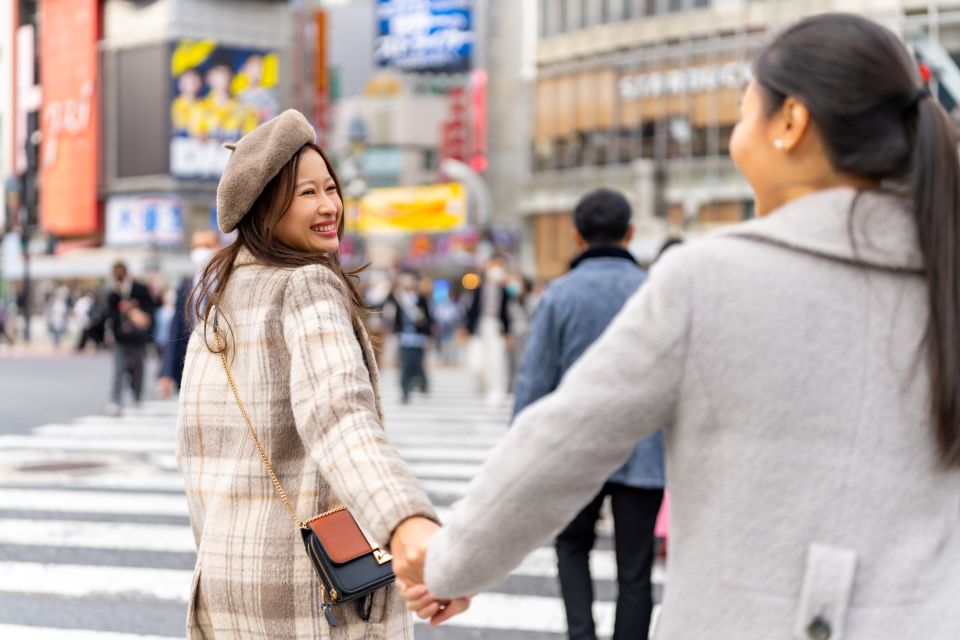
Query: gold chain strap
[222,351]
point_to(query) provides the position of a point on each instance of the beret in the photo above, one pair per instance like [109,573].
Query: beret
[256,159]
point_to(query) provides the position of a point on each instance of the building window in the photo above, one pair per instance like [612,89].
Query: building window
[608,12]
[574,15]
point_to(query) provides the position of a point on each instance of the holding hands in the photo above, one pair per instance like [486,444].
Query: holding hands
[409,549]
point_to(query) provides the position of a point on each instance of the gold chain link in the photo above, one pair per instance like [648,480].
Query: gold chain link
[222,350]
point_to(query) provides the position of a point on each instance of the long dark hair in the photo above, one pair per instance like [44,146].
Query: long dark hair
[256,234]
[864,93]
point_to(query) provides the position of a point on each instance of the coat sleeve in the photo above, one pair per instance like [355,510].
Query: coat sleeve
[540,367]
[562,448]
[335,408]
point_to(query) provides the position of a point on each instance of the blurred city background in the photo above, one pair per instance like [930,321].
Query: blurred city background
[463,133]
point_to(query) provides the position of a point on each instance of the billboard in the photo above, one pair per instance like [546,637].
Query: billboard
[424,35]
[68,153]
[219,94]
[429,209]
[138,221]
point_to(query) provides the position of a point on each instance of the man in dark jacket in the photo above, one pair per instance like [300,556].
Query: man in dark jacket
[575,310]
[412,325]
[130,307]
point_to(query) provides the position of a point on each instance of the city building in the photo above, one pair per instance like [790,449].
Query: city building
[127,121]
[641,95]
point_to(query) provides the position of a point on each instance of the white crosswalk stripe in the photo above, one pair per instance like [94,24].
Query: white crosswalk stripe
[78,500]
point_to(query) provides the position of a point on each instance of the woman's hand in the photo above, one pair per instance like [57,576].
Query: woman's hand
[429,607]
[408,546]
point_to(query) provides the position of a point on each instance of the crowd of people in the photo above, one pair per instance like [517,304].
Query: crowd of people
[480,322]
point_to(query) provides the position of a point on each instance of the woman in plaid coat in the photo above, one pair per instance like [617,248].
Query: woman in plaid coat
[304,367]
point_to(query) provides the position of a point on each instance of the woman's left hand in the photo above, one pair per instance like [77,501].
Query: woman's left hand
[429,607]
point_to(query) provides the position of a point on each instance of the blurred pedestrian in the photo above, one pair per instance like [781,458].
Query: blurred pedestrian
[3,322]
[203,244]
[488,323]
[573,313]
[131,308]
[375,294]
[83,316]
[515,291]
[448,317]
[162,321]
[412,326]
[57,314]
[803,366]
[287,320]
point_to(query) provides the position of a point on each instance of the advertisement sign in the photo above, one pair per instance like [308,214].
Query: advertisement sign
[68,154]
[219,94]
[321,78]
[428,209]
[424,35]
[140,221]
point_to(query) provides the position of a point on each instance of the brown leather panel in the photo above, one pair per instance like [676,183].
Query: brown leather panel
[341,537]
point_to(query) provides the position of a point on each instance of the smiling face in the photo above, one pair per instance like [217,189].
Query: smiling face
[311,222]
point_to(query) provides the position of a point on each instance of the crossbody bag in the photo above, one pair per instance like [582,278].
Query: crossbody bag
[349,566]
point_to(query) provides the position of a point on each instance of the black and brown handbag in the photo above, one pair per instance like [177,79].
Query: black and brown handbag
[350,566]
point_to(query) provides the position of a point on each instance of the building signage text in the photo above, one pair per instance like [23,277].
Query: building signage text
[677,82]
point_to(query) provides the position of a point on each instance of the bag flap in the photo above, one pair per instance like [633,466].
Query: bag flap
[341,536]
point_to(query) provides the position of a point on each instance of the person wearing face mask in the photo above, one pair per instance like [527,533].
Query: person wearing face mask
[488,323]
[202,246]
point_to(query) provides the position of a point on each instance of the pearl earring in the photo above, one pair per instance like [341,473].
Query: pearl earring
[778,143]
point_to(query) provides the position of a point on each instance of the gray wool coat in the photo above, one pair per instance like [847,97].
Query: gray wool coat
[305,371]
[785,364]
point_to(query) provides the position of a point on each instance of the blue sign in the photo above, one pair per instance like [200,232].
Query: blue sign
[425,35]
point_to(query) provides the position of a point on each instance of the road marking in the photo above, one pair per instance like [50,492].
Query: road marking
[526,613]
[93,502]
[22,632]
[98,535]
[78,581]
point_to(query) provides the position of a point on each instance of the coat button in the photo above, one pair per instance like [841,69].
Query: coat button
[819,629]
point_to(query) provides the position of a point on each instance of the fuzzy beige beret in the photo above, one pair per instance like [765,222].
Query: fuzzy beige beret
[255,160]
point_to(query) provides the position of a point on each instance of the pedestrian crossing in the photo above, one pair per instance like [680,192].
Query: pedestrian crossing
[95,542]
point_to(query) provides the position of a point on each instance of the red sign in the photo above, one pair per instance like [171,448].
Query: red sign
[453,130]
[478,139]
[68,150]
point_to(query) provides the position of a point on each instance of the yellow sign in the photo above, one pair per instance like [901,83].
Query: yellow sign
[429,209]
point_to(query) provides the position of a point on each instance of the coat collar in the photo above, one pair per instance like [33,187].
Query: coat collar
[881,233]
[603,251]
[244,258]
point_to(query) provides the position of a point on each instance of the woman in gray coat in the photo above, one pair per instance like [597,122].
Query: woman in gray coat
[805,368]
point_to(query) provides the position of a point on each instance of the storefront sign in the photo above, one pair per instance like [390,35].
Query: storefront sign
[141,221]
[68,160]
[424,35]
[732,75]
[428,209]
[220,94]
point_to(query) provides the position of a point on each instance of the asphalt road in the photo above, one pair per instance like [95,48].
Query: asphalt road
[39,390]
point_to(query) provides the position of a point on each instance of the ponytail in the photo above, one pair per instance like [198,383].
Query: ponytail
[935,184]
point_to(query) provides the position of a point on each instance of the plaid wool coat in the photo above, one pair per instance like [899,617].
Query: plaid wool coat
[306,374]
